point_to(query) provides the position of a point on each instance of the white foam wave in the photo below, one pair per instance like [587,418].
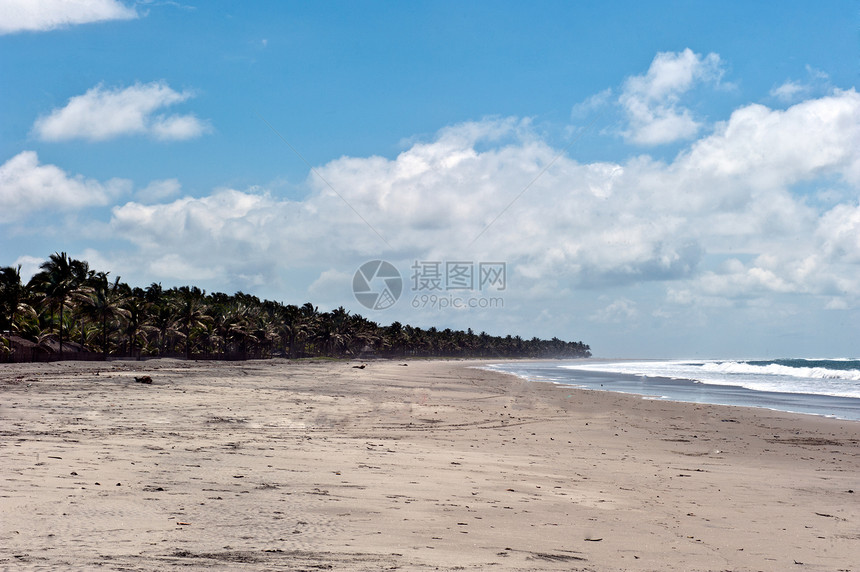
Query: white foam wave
[770,377]
[735,367]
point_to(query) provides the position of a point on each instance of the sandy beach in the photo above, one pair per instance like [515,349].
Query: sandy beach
[271,465]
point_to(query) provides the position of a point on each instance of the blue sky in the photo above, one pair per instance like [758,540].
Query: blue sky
[668,179]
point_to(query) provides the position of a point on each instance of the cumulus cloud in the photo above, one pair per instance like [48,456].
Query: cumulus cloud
[722,221]
[578,226]
[157,191]
[43,15]
[652,102]
[839,233]
[621,310]
[763,148]
[822,259]
[254,234]
[102,114]
[26,186]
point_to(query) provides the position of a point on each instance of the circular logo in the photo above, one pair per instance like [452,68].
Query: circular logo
[377,285]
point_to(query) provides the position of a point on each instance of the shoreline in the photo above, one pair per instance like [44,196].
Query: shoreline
[688,390]
[269,465]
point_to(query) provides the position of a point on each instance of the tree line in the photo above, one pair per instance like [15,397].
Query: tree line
[68,303]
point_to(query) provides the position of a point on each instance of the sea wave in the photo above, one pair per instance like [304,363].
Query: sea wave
[740,367]
[758,376]
[726,382]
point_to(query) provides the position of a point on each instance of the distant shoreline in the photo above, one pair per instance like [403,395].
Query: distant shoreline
[686,390]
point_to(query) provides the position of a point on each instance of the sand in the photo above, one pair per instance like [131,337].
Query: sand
[270,465]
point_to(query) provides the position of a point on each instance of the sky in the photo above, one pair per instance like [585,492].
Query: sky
[656,179]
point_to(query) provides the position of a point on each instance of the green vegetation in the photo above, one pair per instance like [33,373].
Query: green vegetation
[84,312]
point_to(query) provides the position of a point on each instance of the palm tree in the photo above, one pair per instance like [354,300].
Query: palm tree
[238,320]
[104,304]
[60,277]
[91,306]
[335,332]
[192,313]
[137,318]
[364,333]
[13,295]
[306,325]
[264,332]
[165,321]
[397,338]
[292,328]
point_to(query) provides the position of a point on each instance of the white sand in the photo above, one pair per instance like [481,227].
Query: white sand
[267,465]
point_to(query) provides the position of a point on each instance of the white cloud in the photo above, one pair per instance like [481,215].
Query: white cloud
[579,226]
[763,148]
[102,114]
[27,186]
[817,82]
[176,267]
[591,104]
[820,259]
[30,265]
[157,191]
[253,234]
[652,101]
[177,127]
[42,15]
[789,90]
[839,233]
[621,310]
[330,282]
[816,74]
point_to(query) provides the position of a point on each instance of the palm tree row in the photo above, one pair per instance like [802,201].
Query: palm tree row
[81,308]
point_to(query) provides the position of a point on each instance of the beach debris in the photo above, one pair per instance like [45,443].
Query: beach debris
[362,366]
[183,523]
[143,379]
[555,557]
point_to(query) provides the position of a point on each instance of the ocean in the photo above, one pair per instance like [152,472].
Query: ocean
[828,387]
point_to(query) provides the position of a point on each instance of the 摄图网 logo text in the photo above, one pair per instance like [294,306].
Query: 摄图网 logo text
[435,284]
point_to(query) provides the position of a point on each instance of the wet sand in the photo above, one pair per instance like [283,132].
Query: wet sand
[270,465]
